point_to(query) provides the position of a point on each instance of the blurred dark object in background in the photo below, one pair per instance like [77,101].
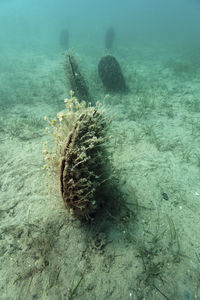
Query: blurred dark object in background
[64,39]
[110,37]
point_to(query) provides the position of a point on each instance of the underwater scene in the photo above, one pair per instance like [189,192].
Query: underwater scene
[100,149]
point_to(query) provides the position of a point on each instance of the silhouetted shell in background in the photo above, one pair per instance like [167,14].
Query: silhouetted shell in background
[111,74]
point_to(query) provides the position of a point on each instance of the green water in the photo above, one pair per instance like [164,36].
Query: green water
[150,247]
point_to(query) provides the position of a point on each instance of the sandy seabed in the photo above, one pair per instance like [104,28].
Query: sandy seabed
[149,251]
